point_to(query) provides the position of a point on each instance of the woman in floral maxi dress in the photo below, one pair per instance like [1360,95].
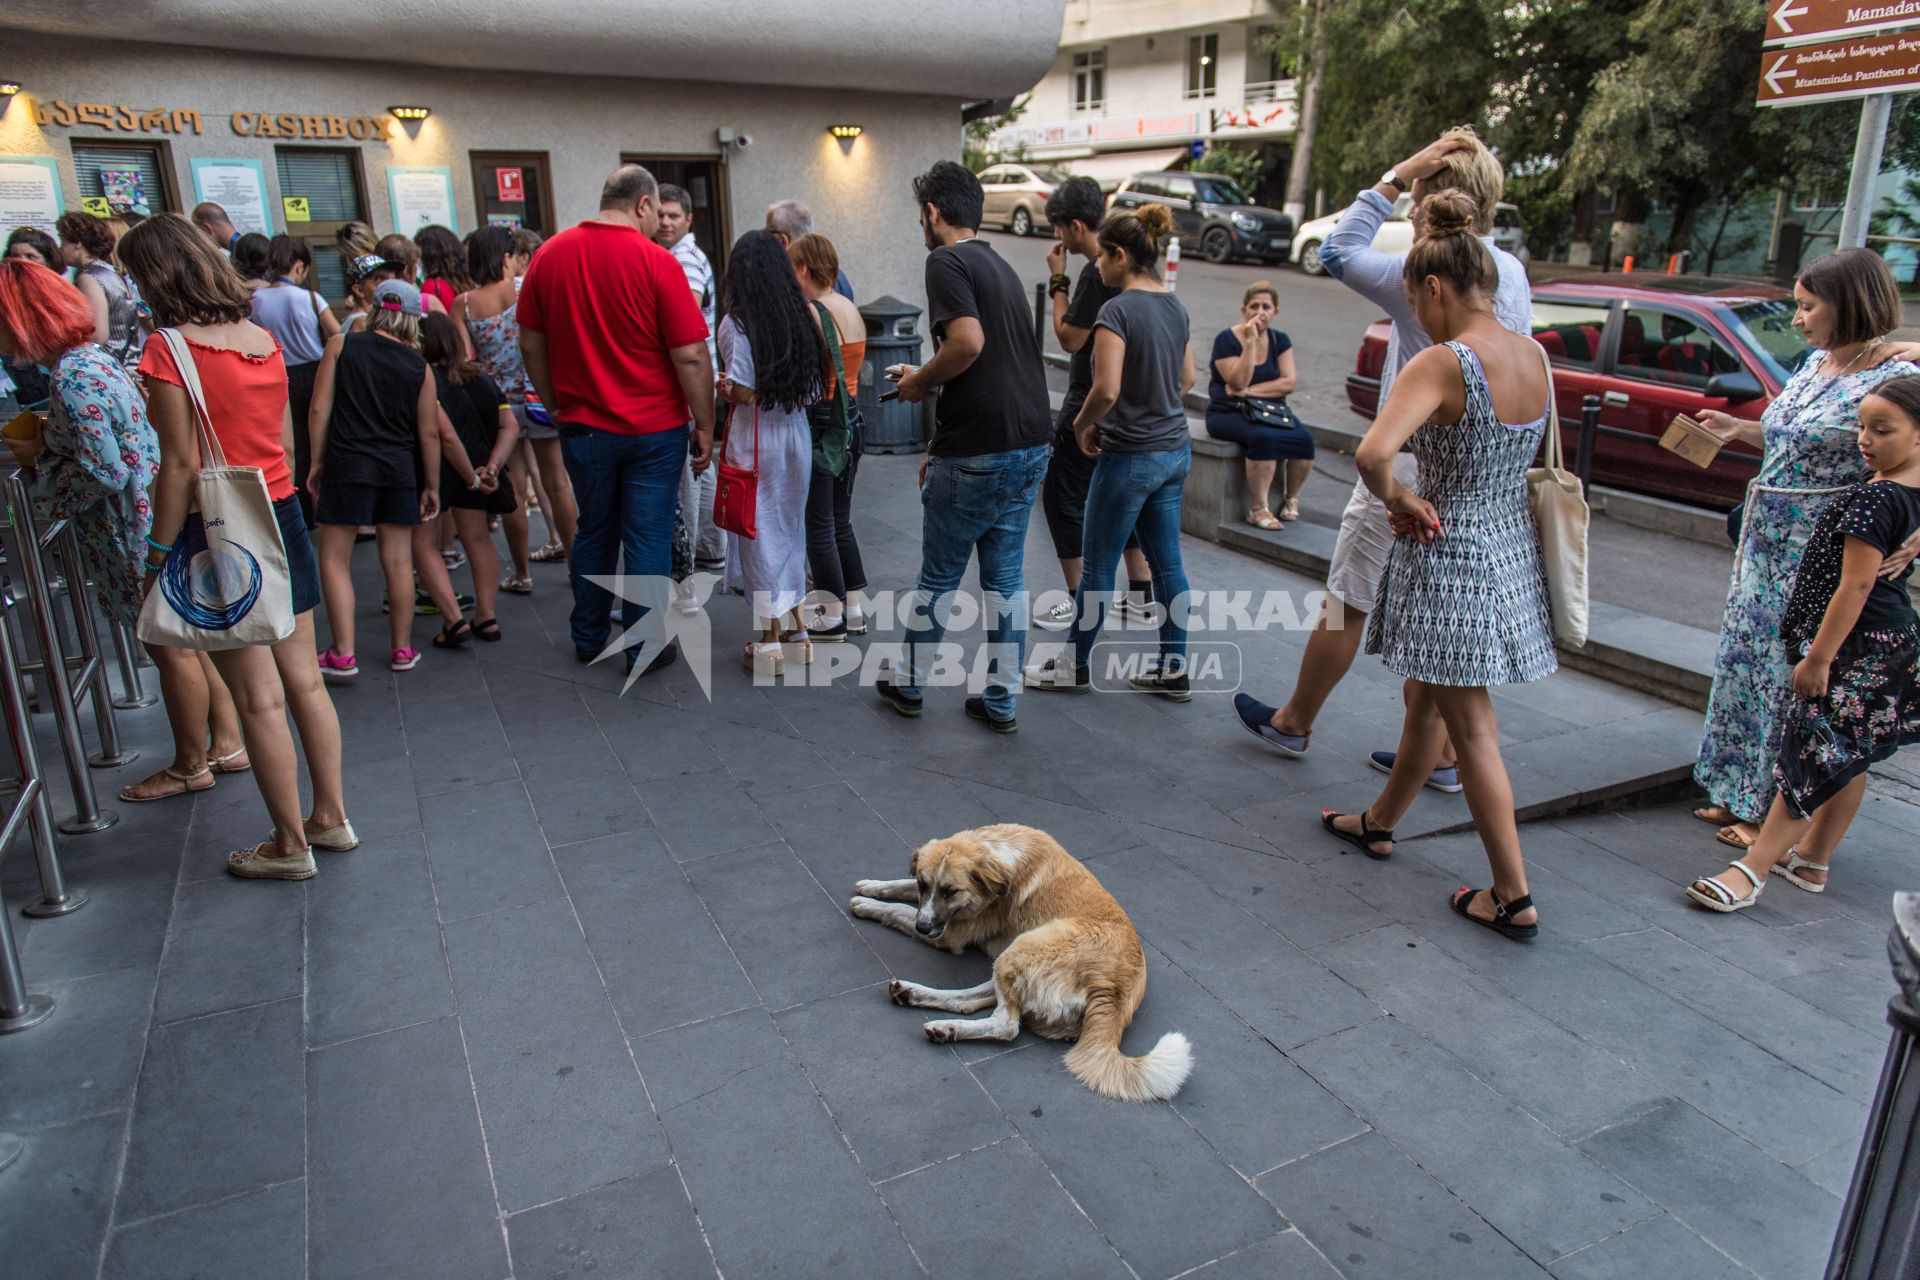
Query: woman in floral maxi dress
[1845,303]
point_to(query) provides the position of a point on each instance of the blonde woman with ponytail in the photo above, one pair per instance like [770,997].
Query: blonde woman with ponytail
[1463,605]
[1134,425]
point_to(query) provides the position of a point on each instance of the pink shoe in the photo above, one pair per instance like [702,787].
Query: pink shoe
[405,659]
[337,666]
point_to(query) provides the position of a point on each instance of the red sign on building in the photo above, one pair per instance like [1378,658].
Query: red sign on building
[511,187]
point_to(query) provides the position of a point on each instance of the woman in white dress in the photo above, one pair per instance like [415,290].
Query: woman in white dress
[773,363]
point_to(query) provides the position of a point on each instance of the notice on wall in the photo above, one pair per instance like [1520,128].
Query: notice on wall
[421,196]
[239,187]
[511,184]
[510,221]
[296,209]
[122,188]
[30,192]
[697,188]
[97,206]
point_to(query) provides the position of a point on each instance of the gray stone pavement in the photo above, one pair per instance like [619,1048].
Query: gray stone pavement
[587,998]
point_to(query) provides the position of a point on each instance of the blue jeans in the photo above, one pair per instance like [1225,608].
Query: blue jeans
[976,503]
[628,490]
[1134,493]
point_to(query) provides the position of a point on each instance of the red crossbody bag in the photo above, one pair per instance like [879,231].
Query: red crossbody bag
[737,490]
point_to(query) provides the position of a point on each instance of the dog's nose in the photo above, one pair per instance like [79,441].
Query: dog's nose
[923,925]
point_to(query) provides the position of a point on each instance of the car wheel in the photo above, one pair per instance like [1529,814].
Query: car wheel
[1216,245]
[1310,259]
[1022,224]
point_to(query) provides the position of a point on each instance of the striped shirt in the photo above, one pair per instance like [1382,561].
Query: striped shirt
[699,271]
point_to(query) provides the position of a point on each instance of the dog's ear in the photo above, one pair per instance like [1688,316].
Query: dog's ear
[991,876]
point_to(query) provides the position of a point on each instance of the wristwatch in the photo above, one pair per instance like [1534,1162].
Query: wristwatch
[1392,179]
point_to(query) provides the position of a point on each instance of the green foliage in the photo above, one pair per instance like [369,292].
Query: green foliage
[1241,163]
[977,151]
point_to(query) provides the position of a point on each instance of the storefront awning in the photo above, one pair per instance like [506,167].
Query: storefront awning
[1111,168]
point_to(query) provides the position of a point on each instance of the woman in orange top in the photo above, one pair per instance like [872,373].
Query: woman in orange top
[194,290]
[833,553]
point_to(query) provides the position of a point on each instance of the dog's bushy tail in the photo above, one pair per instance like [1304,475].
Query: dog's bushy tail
[1096,1061]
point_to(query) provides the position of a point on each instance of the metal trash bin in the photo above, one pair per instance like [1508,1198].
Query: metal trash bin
[1879,1233]
[892,426]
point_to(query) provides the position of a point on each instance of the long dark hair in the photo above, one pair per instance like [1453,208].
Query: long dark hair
[487,251]
[440,344]
[250,255]
[764,299]
[442,257]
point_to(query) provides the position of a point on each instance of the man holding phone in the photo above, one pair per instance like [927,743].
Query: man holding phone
[991,441]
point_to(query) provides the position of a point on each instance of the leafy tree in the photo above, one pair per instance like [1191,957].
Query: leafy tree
[1242,164]
[978,152]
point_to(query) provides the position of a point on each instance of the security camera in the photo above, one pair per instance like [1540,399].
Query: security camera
[743,140]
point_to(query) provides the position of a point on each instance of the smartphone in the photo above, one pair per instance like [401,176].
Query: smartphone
[889,395]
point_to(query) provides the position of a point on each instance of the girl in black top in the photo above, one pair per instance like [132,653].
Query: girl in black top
[483,420]
[1853,637]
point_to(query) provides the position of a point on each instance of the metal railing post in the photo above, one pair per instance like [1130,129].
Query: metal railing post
[93,661]
[1040,316]
[19,1008]
[55,898]
[1589,433]
[135,695]
[87,814]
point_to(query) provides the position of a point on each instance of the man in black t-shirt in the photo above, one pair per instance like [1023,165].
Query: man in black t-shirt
[989,450]
[1075,209]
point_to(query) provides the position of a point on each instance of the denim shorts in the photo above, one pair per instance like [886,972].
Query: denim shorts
[362,504]
[302,569]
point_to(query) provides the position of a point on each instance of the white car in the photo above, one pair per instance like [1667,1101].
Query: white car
[1396,234]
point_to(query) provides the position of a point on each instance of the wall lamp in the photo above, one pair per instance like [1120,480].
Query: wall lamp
[410,113]
[8,88]
[844,130]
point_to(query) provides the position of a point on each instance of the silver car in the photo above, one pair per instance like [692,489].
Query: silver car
[1016,196]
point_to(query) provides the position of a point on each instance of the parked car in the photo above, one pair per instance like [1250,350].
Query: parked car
[1396,234]
[1212,214]
[1649,346]
[1016,196]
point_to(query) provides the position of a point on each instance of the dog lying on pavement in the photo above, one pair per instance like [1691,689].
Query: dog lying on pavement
[1067,962]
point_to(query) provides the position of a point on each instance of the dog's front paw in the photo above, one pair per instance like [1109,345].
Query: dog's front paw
[897,992]
[869,888]
[866,908]
[940,1032]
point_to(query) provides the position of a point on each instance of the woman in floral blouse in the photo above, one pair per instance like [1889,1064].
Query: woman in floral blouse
[94,461]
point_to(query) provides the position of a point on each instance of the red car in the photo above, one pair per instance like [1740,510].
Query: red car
[1649,346]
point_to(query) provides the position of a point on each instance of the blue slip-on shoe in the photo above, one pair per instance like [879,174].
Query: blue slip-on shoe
[1447,780]
[1256,718]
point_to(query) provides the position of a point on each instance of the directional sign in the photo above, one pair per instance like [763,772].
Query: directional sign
[1851,68]
[1793,21]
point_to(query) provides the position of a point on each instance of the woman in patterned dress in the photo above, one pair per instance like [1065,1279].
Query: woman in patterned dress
[1845,303]
[95,461]
[1463,604]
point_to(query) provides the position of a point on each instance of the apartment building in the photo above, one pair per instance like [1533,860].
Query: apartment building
[1142,84]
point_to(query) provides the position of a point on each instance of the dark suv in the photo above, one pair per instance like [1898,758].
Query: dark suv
[1213,215]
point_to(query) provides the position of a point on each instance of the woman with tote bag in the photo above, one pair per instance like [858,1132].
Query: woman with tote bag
[219,378]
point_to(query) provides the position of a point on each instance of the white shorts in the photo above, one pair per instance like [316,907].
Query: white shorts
[1366,539]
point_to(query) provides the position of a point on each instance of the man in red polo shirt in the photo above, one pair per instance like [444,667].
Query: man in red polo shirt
[617,350]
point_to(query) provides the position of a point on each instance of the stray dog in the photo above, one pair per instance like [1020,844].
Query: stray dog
[1067,962]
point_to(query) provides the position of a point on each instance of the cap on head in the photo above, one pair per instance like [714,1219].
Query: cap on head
[365,265]
[398,295]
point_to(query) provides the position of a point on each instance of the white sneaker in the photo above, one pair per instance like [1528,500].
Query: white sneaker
[1056,674]
[1058,618]
[684,598]
[1132,610]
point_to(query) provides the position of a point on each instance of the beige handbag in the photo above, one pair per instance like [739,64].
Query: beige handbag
[1560,513]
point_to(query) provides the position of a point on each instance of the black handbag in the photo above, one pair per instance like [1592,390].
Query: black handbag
[1265,412]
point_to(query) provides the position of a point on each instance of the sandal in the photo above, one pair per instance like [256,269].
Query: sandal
[225,763]
[1714,896]
[763,659]
[1363,839]
[1731,836]
[798,641]
[454,634]
[1261,518]
[186,781]
[487,629]
[1290,509]
[1717,814]
[1794,864]
[514,584]
[1503,913]
[549,553]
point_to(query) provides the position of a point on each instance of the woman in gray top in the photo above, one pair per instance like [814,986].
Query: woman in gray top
[1134,425]
[300,321]
[86,245]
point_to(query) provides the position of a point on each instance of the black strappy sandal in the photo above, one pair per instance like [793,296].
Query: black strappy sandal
[489,630]
[1503,913]
[1364,839]
[453,635]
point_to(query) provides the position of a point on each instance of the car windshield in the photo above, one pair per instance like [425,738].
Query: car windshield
[1219,191]
[1766,329]
[1053,176]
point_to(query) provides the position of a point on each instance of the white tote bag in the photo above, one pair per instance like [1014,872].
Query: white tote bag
[225,584]
[1560,512]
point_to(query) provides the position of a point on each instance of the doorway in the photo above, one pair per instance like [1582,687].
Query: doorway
[514,189]
[705,179]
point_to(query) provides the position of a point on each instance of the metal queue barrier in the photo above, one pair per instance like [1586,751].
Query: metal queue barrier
[126,648]
[68,679]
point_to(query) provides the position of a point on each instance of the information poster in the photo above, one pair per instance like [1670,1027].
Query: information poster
[421,195]
[239,187]
[30,192]
[511,184]
[123,188]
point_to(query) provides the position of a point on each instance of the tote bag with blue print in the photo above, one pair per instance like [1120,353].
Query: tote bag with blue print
[225,584]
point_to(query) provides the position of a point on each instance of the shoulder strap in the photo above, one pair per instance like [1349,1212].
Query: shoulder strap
[211,454]
[1552,448]
[839,370]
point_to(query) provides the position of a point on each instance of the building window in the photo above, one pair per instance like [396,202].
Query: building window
[330,180]
[1090,80]
[1818,198]
[512,189]
[1203,61]
[126,174]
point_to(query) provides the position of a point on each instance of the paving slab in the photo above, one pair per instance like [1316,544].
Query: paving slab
[642,1227]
